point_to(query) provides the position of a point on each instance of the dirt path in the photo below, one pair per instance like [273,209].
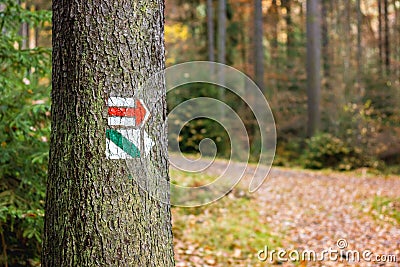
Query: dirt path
[312,210]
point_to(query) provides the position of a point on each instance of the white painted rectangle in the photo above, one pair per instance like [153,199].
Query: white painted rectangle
[125,121]
[121,102]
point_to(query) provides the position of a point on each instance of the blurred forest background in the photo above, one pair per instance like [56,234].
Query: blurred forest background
[359,90]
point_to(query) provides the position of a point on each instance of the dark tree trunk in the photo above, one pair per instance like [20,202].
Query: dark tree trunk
[313,65]
[221,48]
[359,48]
[258,45]
[96,212]
[289,31]
[274,20]
[222,31]
[387,38]
[396,36]
[210,30]
[348,47]
[380,35]
[325,39]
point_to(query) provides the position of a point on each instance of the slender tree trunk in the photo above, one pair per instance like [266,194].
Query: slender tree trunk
[347,69]
[258,45]
[359,48]
[325,40]
[313,65]
[222,31]
[274,19]
[97,211]
[397,42]
[380,36]
[210,30]
[387,38]
[221,48]
[289,31]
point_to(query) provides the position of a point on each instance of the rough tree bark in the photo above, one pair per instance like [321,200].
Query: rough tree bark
[258,45]
[96,212]
[313,65]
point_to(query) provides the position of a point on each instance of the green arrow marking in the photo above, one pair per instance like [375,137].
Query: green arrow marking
[123,143]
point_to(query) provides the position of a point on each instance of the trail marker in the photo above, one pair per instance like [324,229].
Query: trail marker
[125,139]
[127,112]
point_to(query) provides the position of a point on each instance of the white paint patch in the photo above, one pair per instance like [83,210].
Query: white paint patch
[128,122]
[114,152]
[139,138]
[121,102]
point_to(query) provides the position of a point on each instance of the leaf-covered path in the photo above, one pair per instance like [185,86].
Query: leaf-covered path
[306,210]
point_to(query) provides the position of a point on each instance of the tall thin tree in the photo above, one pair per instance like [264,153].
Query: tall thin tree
[221,31]
[97,212]
[387,38]
[221,49]
[359,48]
[210,30]
[325,40]
[313,65]
[258,44]
[380,36]
[287,4]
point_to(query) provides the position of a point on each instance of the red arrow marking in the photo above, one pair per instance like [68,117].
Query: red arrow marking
[138,112]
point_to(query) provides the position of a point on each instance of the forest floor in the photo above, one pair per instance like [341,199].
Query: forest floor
[294,210]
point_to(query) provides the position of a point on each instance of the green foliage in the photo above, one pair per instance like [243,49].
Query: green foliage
[24,135]
[326,150]
[195,130]
[351,143]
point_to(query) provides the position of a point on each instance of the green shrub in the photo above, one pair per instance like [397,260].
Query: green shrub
[24,135]
[327,151]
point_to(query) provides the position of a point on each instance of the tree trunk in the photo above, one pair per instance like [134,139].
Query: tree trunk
[387,38]
[359,49]
[313,65]
[258,45]
[210,30]
[380,38]
[274,20]
[289,31]
[325,40]
[221,50]
[348,38]
[396,36]
[97,211]
[222,31]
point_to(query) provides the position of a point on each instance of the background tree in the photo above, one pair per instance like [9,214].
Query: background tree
[387,36]
[221,31]
[313,65]
[96,214]
[210,31]
[258,44]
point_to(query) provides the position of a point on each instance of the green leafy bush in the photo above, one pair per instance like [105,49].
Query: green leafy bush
[24,135]
[327,151]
